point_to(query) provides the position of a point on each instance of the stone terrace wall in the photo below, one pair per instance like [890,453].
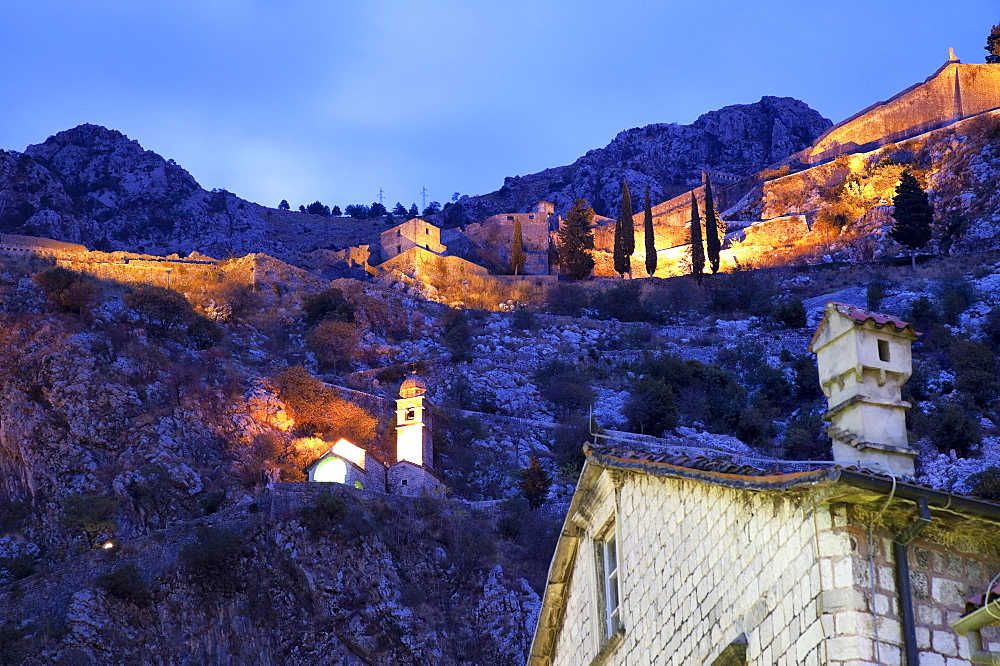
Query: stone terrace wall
[954,92]
[941,579]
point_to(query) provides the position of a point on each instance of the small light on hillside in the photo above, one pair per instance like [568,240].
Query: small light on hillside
[108,545]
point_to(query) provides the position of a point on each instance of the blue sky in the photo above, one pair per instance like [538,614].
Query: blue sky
[333,99]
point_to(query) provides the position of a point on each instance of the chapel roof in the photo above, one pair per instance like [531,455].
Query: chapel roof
[412,387]
[860,316]
[748,470]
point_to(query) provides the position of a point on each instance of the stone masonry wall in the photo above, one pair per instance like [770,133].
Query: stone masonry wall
[941,579]
[955,91]
[701,564]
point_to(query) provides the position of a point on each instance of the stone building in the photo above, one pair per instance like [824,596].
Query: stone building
[410,474]
[412,233]
[350,465]
[680,556]
[495,234]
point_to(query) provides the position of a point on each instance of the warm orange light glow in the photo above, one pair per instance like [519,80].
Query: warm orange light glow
[108,545]
[349,451]
[310,448]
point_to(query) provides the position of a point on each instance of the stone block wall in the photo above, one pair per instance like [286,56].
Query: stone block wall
[953,92]
[702,565]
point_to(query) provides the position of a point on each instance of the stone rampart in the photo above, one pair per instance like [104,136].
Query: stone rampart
[954,92]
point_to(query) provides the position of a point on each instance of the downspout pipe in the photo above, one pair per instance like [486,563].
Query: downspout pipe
[900,554]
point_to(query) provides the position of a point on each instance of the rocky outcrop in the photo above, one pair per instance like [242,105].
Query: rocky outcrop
[740,139]
[95,186]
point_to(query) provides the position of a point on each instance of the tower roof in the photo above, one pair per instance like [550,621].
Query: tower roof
[413,386]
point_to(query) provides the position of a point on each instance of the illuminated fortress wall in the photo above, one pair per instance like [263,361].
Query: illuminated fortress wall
[954,92]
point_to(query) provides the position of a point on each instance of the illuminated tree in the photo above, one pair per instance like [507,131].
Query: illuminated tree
[913,215]
[576,240]
[713,243]
[624,234]
[517,258]
[993,45]
[647,228]
[535,483]
[697,249]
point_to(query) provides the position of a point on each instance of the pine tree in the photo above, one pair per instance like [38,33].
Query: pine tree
[517,258]
[647,230]
[399,210]
[993,45]
[535,483]
[283,205]
[712,242]
[697,249]
[576,240]
[414,211]
[624,234]
[913,214]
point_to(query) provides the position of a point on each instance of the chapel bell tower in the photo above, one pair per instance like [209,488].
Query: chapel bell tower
[413,424]
[864,358]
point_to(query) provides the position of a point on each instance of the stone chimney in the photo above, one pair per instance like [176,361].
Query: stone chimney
[864,359]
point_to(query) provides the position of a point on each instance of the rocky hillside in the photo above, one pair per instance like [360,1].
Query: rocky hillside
[97,187]
[741,139]
[847,202]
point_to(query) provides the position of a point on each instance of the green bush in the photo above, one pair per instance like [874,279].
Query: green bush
[161,311]
[565,385]
[651,408]
[790,313]
[523,320]
[623,302]
[68,291]
[955,293]
[213,559]
[975,371]
[327,305]
[125,583]
[91,513]
[956,429]
[804,439]
[18,567]
[566,298]
[325,515]
[986,484]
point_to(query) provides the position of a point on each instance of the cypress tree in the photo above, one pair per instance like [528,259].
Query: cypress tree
[517,257]
[647,227]
[913,214]
[993,45]
[576,240]
[624,234]
[712,242]
[697,250]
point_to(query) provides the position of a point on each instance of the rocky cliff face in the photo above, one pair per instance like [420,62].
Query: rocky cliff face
[97,187]
[740,139]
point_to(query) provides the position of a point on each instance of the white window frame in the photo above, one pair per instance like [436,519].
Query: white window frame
[608,561]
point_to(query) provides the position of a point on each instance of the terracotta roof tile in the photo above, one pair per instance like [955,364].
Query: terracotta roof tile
[860,316]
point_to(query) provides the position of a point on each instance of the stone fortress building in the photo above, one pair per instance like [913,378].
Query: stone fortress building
[537,226]
[410,474]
